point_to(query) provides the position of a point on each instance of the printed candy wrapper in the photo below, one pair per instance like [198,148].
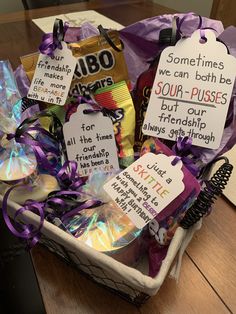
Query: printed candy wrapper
[16,161]
[163,227]
[107,229]
[141,39]
[117,99]
[98,63]
[157,147]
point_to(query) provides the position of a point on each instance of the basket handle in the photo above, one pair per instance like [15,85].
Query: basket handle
[213,188]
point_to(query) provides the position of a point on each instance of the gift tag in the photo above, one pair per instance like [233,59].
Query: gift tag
[90,141]
[192,90]
[146,187]
[52,77]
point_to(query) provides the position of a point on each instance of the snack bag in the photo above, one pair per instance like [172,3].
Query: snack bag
[117,99]
[141,97]
[143,88]
[163,227]
[100,63]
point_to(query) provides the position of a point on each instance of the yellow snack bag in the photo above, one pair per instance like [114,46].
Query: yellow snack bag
[98,63]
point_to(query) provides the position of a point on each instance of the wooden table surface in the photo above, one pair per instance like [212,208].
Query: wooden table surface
[207,282]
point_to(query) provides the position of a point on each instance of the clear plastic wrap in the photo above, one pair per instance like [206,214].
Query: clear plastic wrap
[16,161]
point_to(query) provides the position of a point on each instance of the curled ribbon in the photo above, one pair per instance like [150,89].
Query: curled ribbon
[52,41]
[68,176]
[182,151]
[69,199]
[62,204]
[25,231]
[46,157]
[180,21]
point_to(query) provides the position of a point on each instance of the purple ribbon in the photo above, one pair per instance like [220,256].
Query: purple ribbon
[48,160]
[85,205]
[66,201]
[182,151]
[65,204]
[179,22]
[25,231]
[52,41]
[68,176]
[72,107]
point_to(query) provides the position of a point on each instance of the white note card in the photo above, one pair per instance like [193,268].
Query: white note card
[146,187]
[53,76]
[192,91]
[76,19]
[90,141]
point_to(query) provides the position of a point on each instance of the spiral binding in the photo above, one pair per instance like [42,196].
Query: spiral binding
[208,195]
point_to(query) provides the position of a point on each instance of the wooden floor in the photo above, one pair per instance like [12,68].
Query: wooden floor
[207,282]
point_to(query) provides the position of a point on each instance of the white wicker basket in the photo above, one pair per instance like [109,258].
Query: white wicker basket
[131,283]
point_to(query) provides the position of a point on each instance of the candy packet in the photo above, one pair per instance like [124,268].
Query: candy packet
[100,63]
[163,227]
[117,99]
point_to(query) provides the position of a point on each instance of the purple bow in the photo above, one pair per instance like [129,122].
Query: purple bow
[179,23]
[182,151]
[52,41]
[46,157]
[67,200]
[68,177]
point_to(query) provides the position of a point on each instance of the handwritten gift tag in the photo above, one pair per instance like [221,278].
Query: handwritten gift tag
[52,77]
[90,141]
[191,92]
[146,187]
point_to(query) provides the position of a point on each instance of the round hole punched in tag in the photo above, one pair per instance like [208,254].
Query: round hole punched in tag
[104,33]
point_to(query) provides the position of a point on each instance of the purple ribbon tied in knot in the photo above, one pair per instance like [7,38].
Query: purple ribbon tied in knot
[70,201]
[52,41]
[182,150]
[46,156]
